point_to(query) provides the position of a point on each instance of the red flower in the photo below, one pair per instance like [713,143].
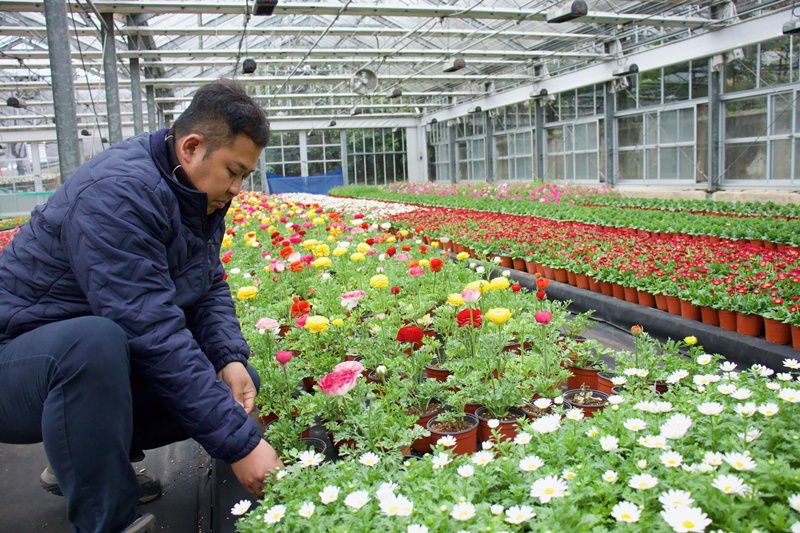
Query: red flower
[436,265]
[410,334]
[542,283]
[541,294]
[423,249]
[516,287]
[406,248]
[543,317]
[224,276]
[286,252]
[226,259]
[391,251]
[300,308]
[370,241]
[395,290]
[468,317]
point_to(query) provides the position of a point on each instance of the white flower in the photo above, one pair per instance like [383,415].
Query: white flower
[713,458]
[567,474]
[522,438]
[726,388]
[281,474]
[480,270]
[784,376]
[677,376]
[463,511]
[609,443]
[240,508]
[547,424]
[519,514]
[558,400]
[789,395]
[773,386]
[542,403]
[440,460]
[732,376]
[741,394]
[610,476]
[711,408]
[274,514]
[329,494]
[386,490]
[592,431]
[416,528]
[487,445]
[642,464]
[482,458]
[671,459]
[307,509]
[310,458]
[615,399]
[530,463]
[497,509]
[642,373]
[762,371]
[630,372]
[739,461]
[647,407]
[701,380]
[729,484]
[746,410]
[448,441]
[676,426]
[575,414]
[727,366]
[643,482]
[650,441]
[626,512]
[704,359]
[369,459]
[662,407]
[635,424]
[750,436]
[704,468]
[618,381]
[794,502]
[493,423]
[676,498]
[686,519]
[466,470]
[795,527]
[794,364]
[357,499]
[548,488]
[398,505]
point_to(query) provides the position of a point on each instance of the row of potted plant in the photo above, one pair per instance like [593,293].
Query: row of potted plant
[714,447]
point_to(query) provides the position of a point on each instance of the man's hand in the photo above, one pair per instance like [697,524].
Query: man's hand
[252,469]
[236,377]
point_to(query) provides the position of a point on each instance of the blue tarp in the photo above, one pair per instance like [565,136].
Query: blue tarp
[311,184]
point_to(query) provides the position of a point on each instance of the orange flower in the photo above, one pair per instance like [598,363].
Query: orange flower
[297,266]
[436,265]
[286,252]
[300,308]
[542,283]
[413,264]
[636,330]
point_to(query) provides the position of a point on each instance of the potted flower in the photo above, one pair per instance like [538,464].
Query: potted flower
[460,428]
[589,400]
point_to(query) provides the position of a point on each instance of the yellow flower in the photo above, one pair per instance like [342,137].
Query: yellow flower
[331,238]
[481,284]
[358,256]
[322,250]
[309,244]
[227,241]
[390,240]
[499,284]
[339,251]
[246,293]
[435,244]
[424,262]
[404,232]
[455,299]
[317,324]
[362,247]
[691,340]
[462,255]
[338,322]
[271,229]
[318,221]
[498,315]
[379,281]
[321,262]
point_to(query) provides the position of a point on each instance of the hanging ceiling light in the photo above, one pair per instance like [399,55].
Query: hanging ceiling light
[248,66]
[395,93]
[568,11]
[458,64]
[332,123]
[263,8]
[86,133]
[15,102]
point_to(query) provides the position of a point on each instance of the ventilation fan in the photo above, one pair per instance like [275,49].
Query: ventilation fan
[363,81]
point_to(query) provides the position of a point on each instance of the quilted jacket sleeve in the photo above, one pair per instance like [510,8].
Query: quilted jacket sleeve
[213,322]
[114,233]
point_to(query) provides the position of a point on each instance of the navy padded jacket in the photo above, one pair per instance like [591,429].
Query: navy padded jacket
[123,239]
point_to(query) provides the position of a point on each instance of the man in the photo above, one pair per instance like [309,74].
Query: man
[117,331]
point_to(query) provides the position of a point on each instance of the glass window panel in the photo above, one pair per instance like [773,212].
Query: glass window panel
[630,131]
[586,101]
[569,170]
[315,153]
[501,145]
[524,114]
[591,136]
[273,154]
[649,88]
[796,156]
[581,134]
[291,154]
[501,169]
[782,159]
[479,171]
[686,125]
[569,138]
[740,74]
[746,161]
[568,105]
[555,167]
[551,111]
[291,138]
[555,139]
[669,127]
[291,169]
[686,160]
[523,144]
[315,169]
[524,168]
[461,147]
[699,78]
[669,163]
[676,83]
[315,140]
[746,118]
[630,165]
[626,98]
[782,113]
[775,62]
[599,99]
[333,153]
[651,128]
[582,166]
[651,160]
[511,117]
[701,154]
[499,121]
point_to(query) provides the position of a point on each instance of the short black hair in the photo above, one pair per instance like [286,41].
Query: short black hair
[220,111]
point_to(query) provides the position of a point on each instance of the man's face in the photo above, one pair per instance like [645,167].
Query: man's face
[220,174]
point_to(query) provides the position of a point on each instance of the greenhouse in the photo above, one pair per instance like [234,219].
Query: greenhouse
[408,266]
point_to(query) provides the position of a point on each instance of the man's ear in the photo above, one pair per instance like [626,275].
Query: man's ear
[189,148]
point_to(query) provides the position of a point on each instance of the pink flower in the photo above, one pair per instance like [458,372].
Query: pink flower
[543,317]
[295,239]
[301,321]
[349,366]
[266,323]
[283,357]
[416,271]
[403,257]
[338,383]
[470,295]
[351,299]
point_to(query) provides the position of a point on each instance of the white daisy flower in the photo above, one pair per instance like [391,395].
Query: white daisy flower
[642,464]
[671,459]
[307,509]
[592,432]
[768,409]
[794,502]
[739,461]
[630,372]
[789,395]
[676,498]
[440,460]
[487,445]
[676,376]
[711,408]
[466,470]
[369,459]
[635,424]
[281,474]
[329,494]
[713,458]
[548,488]
[704,359]
[609,443]
[794,364]
[750,436]
[619,381]
[642,373]
[663,407]
[542,403]
[386,490]
[686,519]
[727,366]
[519,514]
[647,407]
[463,511]
[746,410]
[729,484]
[615,399]
[482,458]
[274,514]
[448,441]
[784,376]
[609,476]
[574,414]
[397,505]
[497,509]
[547,424]
[742,394]
[762,371]
[522,438]
[417,528]
[567,474]
[240,508]
[531,463]
[651,441]
[357,499]
[773,386]
[726,388]
[643,482]
[493,423]
[626,512]
[310,458]
[676,426]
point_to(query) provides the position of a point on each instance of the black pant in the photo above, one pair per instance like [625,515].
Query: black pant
[68,384]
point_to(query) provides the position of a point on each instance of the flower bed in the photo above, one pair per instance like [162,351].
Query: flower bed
[6,236]
[716,451]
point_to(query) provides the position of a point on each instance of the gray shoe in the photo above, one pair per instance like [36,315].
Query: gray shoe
[149,486]
[144,524]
